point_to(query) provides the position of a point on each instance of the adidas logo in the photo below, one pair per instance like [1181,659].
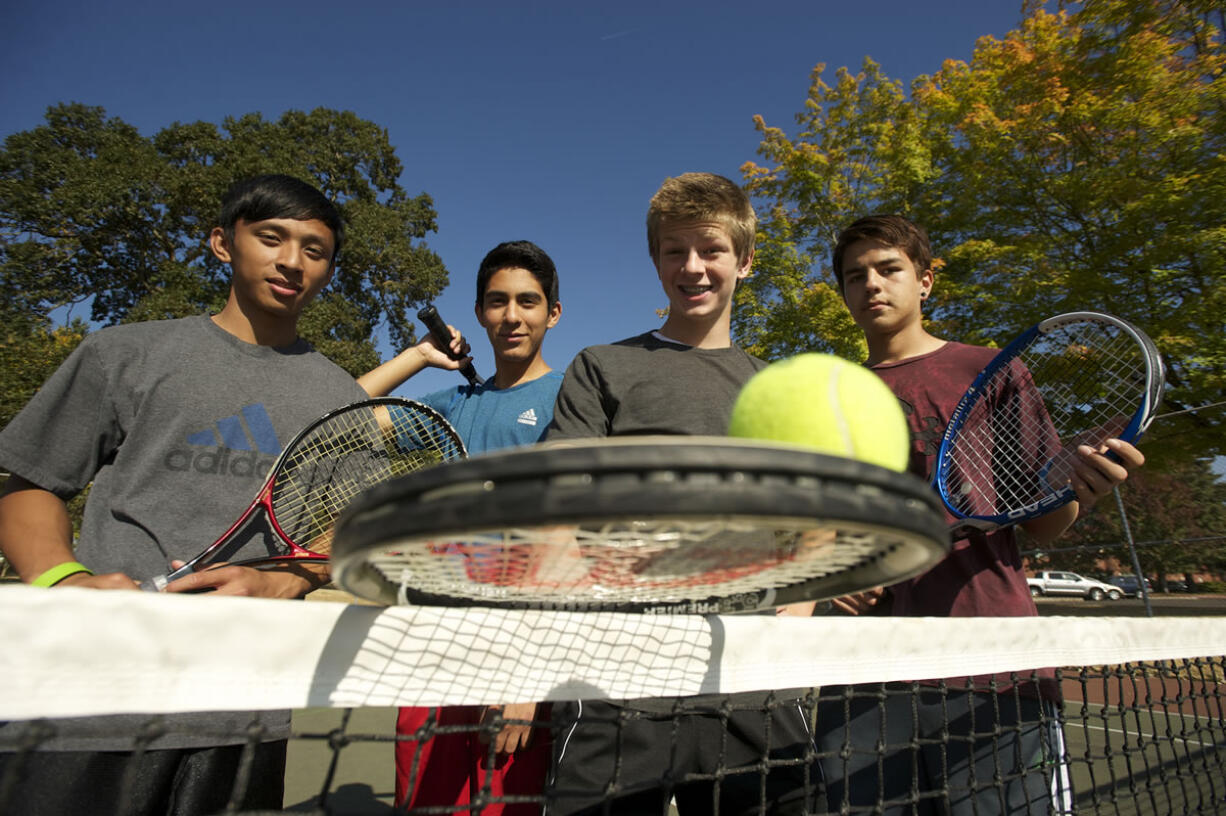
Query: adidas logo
[527,418]
[244,445]
[229,432]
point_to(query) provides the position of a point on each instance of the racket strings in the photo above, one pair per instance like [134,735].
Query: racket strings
[347,454]
[1080,384]
[665,560]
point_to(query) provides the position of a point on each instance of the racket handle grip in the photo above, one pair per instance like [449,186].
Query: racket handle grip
[158,582]
[438,330]
[155,584]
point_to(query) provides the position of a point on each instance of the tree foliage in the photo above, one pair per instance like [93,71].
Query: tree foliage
[30,350]
[91,210]
[1077,163]
[859,149]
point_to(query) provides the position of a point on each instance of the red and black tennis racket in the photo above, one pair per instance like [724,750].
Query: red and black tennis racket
[322,469]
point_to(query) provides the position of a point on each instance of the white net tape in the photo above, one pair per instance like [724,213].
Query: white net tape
[67,652]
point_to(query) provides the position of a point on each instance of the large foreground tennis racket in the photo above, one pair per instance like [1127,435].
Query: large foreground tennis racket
[1074,379]
[320,471]
[688,525]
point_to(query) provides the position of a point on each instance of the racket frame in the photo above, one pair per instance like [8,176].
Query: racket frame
[1138,423]
[642,479]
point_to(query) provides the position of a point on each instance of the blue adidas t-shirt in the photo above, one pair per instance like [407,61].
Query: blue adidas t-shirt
[488,418]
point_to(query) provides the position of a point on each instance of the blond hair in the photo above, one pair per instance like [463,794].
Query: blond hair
[694,198]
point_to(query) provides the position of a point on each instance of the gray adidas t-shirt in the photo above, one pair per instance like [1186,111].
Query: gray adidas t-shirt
[176,424]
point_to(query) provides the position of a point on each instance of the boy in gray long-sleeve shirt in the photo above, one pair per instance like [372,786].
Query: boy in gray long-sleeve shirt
[682,379]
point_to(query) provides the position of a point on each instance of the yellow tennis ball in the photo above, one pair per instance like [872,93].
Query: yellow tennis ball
[827,403]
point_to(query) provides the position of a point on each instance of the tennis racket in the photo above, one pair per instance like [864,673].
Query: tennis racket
[672,525]
[317,474]
[1074,379]
[442,335]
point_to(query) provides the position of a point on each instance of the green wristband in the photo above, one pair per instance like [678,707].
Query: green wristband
[59,572]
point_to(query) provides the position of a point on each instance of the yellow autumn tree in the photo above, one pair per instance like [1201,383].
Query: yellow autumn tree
[1079,162]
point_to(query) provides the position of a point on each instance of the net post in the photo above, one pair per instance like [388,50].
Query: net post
[1132,552]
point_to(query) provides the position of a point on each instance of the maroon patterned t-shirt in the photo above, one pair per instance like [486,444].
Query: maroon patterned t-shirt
[982,575]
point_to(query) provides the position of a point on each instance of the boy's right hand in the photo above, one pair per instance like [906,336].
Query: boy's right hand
[859,603]
[513,736]
[435,355]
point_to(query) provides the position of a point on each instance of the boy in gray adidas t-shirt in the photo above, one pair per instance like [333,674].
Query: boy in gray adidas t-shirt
[175,423]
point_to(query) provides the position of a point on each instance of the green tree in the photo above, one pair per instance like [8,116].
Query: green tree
[30,350]
[799,314]
[859,149]
[92,210]
[1077,163]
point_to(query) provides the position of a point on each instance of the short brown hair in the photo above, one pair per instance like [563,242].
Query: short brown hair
[893,231]
[694,198]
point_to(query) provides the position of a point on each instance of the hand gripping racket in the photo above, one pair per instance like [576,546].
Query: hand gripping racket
[442,335]
[328,463]
[668,524]
[1074,379]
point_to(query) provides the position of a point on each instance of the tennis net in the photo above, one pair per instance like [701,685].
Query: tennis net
[713,714]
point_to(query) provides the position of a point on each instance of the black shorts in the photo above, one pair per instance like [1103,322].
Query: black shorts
[946,752]
[169,782]
[613,759]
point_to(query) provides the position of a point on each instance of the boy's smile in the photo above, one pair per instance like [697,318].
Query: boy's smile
[698,268]
[278,264]
[515,314]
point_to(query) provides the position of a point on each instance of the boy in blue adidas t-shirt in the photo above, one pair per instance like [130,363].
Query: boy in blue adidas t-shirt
[517,303]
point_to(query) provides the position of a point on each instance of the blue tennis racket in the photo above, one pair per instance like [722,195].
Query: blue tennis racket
[1075,379]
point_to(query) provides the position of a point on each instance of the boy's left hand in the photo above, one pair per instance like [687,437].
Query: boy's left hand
[1095,474]
[511,737]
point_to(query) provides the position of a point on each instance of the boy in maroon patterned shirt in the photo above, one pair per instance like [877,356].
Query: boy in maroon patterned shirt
[883,264]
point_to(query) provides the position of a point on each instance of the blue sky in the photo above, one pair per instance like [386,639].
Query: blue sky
[550,121]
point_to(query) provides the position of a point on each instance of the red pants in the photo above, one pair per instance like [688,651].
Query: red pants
[454,768]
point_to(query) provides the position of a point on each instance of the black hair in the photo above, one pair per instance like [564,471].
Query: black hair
[260,198]
[519,255]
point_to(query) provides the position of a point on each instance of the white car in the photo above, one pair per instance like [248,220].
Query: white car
[1070,583]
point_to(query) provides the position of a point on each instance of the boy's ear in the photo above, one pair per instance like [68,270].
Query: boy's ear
[555,314]
[219,244]
[926,280]
[743,272]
